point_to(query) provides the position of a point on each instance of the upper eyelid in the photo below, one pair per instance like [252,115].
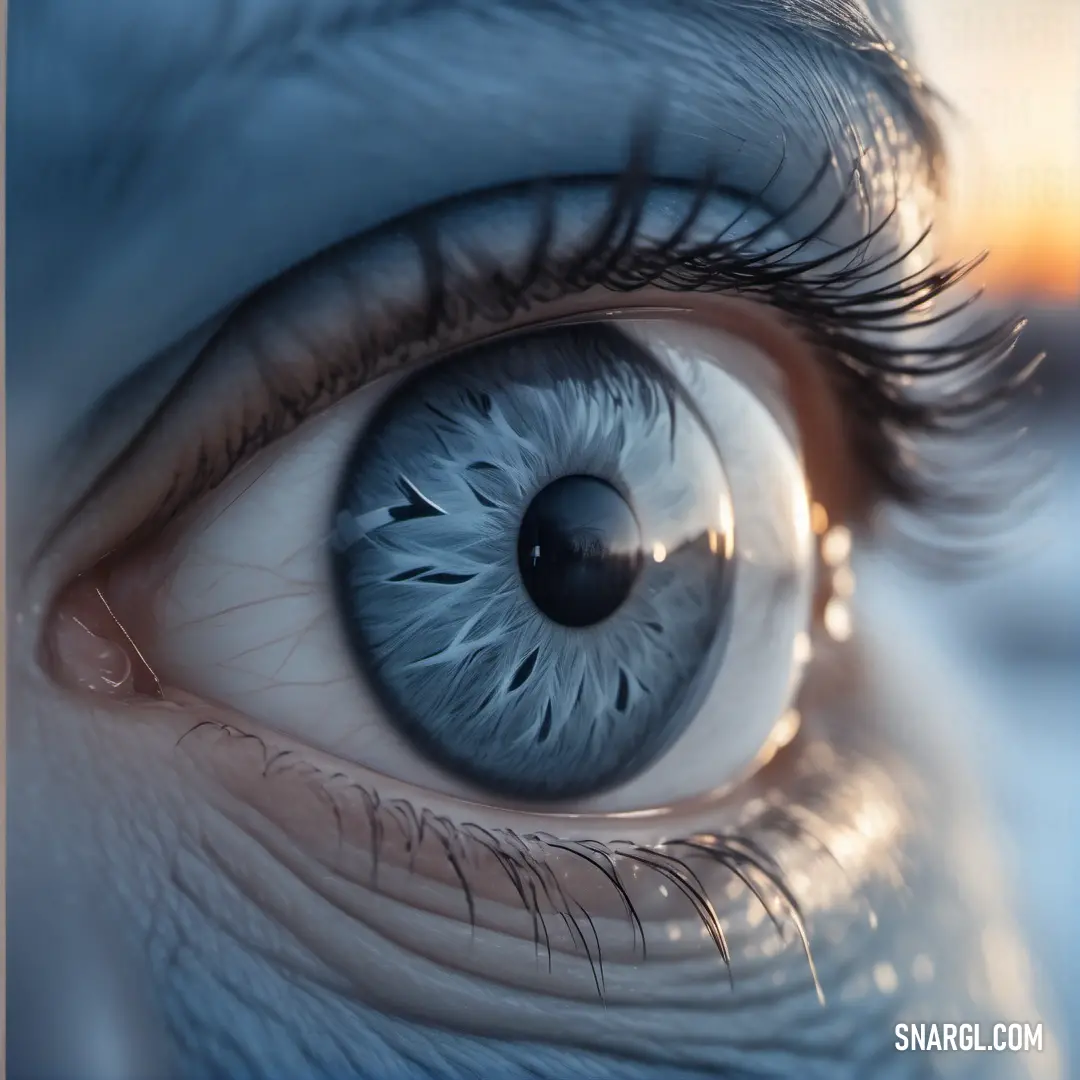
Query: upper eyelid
[393,260]
[192,364]
[762,237]
[748,161]
[831,81]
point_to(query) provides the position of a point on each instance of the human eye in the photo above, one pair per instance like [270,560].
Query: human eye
[486,582]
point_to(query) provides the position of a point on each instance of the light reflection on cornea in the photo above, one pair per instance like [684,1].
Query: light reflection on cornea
[784,731]
[726,526]
[787,727]
[802,515]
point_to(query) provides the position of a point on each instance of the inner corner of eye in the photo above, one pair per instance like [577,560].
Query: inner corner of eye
[97,634]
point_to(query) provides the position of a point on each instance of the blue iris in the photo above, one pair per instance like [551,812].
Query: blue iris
[531,564]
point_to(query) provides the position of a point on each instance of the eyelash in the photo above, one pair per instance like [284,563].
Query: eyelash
[523,860]
[910,407]
[835,302]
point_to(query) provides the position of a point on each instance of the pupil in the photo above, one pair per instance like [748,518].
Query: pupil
[579,550]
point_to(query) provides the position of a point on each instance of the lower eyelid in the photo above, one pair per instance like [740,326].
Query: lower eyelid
[278,839]
[445,868]
[860,846]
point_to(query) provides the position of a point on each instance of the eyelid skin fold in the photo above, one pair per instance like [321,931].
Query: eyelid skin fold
[378,837]
[462,279]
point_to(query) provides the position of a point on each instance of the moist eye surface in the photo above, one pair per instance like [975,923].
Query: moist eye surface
[531,561]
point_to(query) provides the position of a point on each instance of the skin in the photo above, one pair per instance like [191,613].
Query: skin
[183,910]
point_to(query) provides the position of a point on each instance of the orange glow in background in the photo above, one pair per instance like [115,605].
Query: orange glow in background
[1011,71]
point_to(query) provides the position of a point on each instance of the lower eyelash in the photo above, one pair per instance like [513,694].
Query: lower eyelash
[523,859]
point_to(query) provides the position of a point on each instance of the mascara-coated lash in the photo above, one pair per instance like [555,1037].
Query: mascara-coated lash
[924,388]
[913,396]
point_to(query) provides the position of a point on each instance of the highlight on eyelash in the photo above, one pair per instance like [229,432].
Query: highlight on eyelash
[524,861]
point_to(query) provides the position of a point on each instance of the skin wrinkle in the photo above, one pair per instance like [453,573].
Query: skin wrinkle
[237,936]
[212,904]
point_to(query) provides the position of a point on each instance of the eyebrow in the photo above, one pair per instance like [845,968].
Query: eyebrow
[873,30]
[283,37]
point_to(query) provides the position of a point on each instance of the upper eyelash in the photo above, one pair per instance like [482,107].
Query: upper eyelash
[953,391]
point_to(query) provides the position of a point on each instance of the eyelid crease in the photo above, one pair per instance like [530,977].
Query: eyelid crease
[846,301]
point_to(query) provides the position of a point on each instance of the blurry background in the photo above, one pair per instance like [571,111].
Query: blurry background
[1011,69]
